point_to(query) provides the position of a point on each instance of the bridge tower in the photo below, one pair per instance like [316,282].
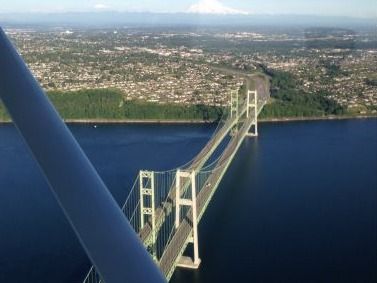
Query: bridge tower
[186,262]
[147,207]
[234,110]
[252,109]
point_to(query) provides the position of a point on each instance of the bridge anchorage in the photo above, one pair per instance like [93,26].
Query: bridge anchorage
[164,208]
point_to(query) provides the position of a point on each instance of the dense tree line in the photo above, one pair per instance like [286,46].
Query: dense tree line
[288,101]
[109,104]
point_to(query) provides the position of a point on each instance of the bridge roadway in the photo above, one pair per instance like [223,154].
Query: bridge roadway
[179,242]
[263,94]
[180,239]
[197,164]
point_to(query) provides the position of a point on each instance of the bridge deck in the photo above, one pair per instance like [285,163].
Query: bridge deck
[197,164]
[173,252]
[202,157]
[179,242]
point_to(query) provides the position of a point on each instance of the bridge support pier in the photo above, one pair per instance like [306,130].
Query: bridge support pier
[252,108]
[187,262]
[147,207]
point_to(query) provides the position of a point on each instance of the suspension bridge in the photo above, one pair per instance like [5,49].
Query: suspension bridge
[164,208]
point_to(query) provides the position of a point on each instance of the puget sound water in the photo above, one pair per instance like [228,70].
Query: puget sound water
[298,203]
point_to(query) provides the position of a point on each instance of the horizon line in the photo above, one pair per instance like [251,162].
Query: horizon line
[249,14]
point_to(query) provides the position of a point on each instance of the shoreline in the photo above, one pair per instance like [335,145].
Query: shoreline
[314,118]
[157,121]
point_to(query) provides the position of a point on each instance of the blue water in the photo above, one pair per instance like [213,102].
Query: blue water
[298,204]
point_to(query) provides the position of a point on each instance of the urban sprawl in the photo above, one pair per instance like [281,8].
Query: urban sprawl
[191,66]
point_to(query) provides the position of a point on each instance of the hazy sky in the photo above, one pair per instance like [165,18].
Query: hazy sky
[354,8]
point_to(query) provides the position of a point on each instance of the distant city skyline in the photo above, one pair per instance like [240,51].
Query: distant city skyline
[349,8]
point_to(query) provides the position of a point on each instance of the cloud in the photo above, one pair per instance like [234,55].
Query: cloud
[213,7]
[100,6]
